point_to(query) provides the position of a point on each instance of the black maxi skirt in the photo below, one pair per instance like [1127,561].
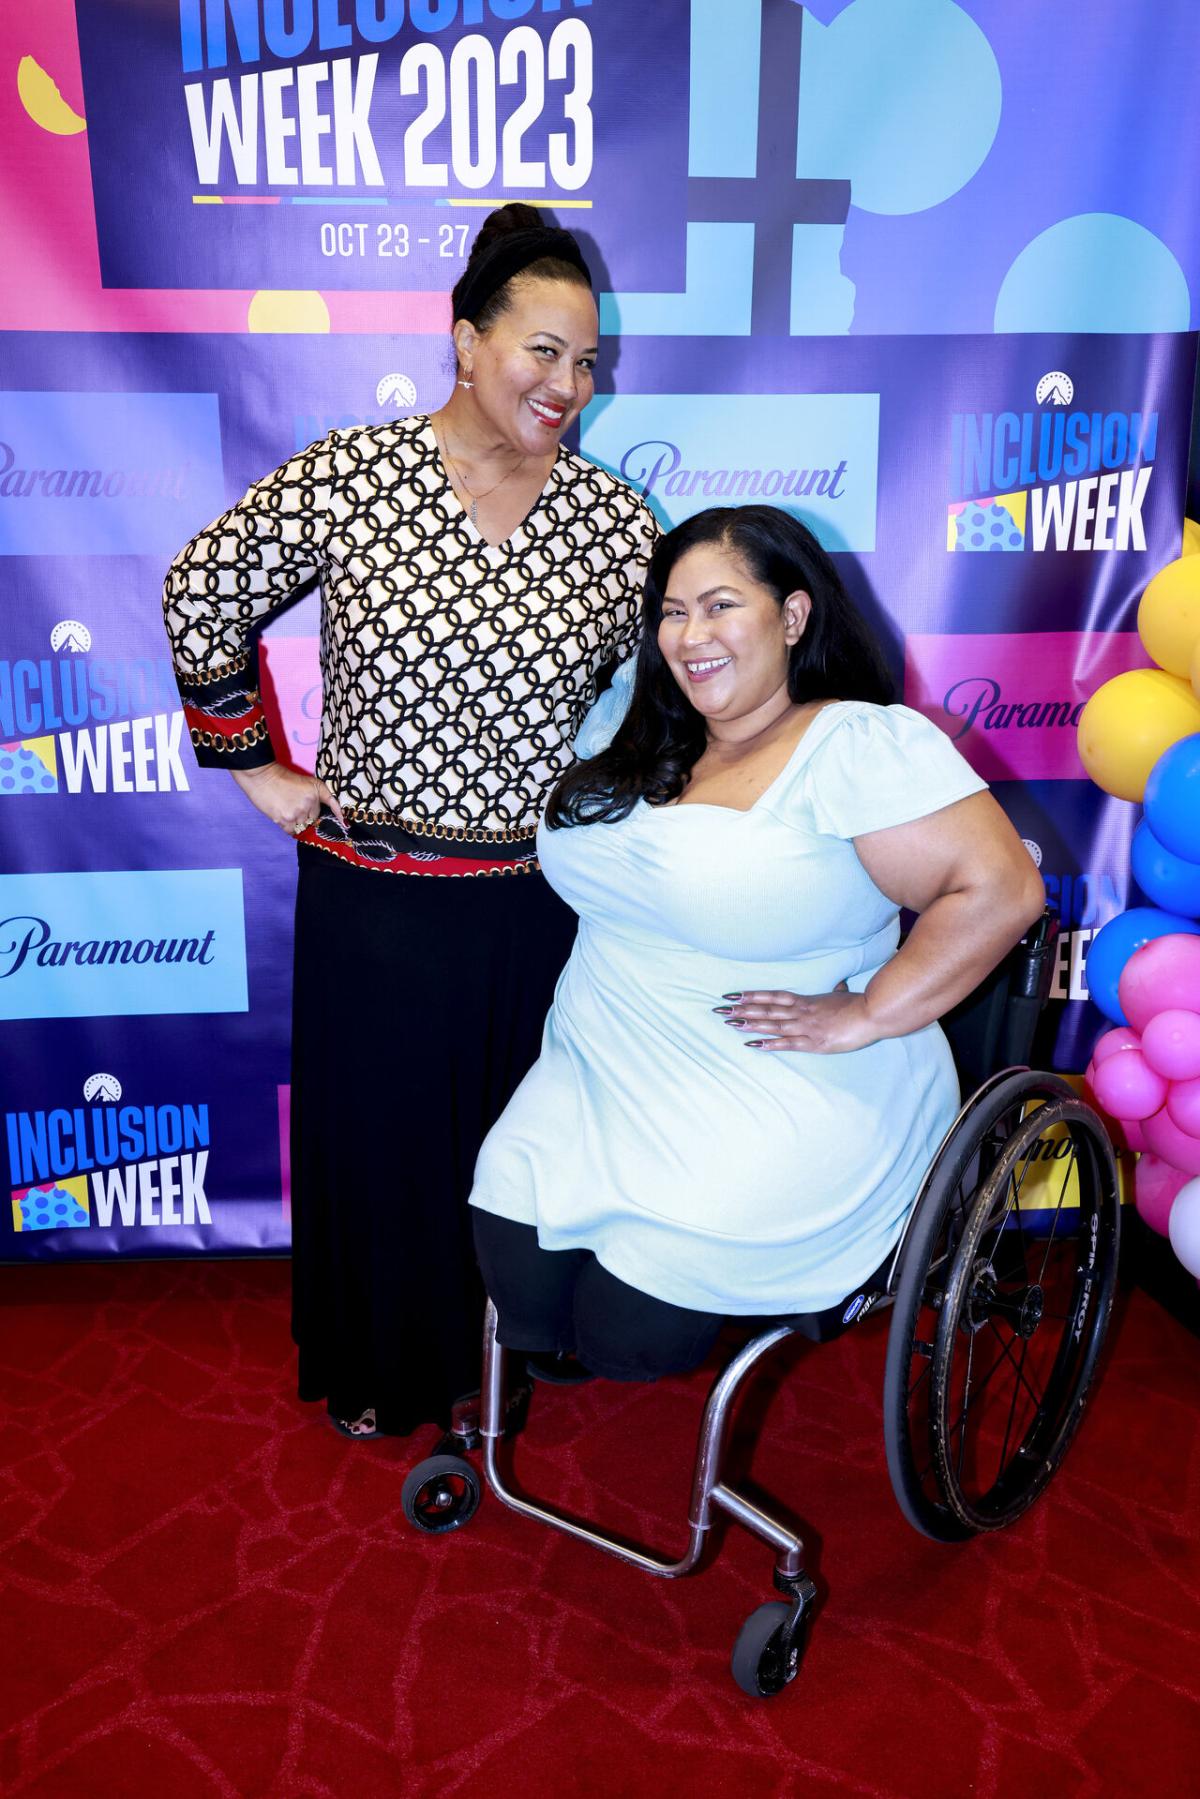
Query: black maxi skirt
[418,1006]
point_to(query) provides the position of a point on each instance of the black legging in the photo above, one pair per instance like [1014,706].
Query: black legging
[562,1300]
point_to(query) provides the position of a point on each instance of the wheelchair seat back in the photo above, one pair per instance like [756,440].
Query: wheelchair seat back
[993,1027]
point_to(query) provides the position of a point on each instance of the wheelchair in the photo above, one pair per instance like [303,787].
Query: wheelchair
[1000,1291]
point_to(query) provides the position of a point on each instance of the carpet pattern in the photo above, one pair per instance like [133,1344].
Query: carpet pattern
[208,1594]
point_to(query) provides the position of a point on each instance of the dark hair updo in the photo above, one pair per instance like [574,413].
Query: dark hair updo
[514,217]
[662,736]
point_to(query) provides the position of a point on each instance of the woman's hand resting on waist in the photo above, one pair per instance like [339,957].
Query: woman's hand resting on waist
[290,800]
[821,1023]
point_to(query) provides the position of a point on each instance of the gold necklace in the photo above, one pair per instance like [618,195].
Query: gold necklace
[457,480]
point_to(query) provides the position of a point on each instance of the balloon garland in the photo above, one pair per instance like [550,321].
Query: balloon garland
[1139,739]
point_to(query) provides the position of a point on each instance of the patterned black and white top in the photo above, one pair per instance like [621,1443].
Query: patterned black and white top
[455,673]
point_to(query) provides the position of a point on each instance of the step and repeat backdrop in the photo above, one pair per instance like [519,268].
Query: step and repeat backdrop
[923,272]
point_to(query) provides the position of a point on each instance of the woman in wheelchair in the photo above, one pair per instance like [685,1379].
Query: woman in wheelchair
[742,1080]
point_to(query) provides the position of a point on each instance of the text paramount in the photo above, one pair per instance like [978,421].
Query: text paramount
[28,939]
[816,455]
[658,466]
[92,944]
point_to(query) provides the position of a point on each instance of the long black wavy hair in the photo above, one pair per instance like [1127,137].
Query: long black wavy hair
[662,736]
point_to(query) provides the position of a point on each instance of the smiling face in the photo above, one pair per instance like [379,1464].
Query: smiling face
[533,369]
[726,638]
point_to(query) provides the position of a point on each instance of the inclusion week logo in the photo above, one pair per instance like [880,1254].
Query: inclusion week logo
[108,1164]
[1060,478]
[76,723]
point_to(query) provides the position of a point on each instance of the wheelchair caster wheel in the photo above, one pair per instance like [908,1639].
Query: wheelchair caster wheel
[440,1494]
[763,1660]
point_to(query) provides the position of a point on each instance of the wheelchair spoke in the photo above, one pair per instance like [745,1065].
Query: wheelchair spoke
[1019,1366]
[919,1382]
[998,1363]
[1062,1194]
[966,1402]
[1013,1409]
[1011,1212]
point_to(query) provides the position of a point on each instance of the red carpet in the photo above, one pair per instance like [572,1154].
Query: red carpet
[210,1595]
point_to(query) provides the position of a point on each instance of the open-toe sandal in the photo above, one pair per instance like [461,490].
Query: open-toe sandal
[362,1429]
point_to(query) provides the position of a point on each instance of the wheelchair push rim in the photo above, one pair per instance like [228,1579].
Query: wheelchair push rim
[1001,1307]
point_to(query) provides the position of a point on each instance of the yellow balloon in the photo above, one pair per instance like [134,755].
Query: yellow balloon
[1168,619]
[1196,671]
[1129,722]
[1191,538]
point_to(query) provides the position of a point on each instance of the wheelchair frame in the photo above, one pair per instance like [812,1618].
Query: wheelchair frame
[442,1492]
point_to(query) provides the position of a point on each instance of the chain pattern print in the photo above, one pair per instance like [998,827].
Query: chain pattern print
[455,672]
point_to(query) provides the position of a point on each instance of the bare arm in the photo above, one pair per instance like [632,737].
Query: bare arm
[966,873]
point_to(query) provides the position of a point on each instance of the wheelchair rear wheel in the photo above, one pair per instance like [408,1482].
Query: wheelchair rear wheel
[1002,1301]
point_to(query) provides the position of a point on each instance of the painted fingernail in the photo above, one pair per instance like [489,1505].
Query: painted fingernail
[739,1024]
[731,996]
[755,1042]
[722,1009]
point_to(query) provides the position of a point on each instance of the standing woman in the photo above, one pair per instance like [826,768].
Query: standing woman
[475,577]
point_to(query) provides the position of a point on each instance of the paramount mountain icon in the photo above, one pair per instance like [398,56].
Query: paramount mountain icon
[396,390]
[1055,389]
[105,1088]
[70,634]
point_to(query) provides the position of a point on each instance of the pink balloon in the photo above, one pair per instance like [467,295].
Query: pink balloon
[1177,1147]
[1183,1106]
[1127,1133]
[1161,976]
[1128,1087]
[1108,1045]
[1171,1044]
[1155,1184]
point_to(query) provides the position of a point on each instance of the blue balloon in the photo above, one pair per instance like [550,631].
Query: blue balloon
[1173,798]
[1167,879]
[1116,941]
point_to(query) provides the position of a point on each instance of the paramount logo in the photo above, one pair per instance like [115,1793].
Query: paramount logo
[106,945]
[978,700]
[18,482]
[133,474]
[658,467]
[30,939]
[814,454]
[1011,701]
